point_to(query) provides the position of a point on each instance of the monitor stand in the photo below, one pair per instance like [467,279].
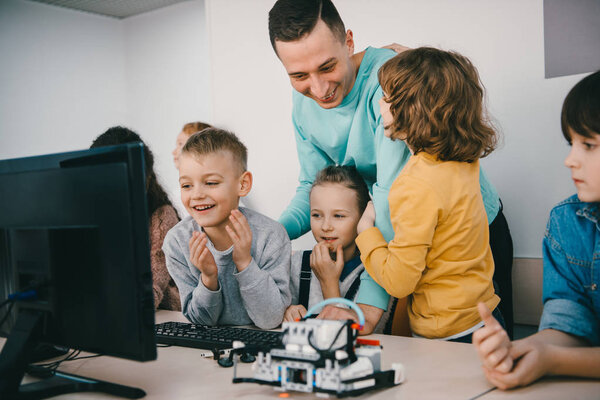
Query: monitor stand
[46,351]
[15,357]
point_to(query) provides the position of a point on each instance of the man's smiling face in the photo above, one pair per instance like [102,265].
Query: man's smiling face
[319,65]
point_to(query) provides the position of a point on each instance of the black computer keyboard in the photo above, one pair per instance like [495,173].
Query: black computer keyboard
[214,337]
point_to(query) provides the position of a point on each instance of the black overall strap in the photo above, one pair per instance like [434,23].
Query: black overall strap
[305,275]
[353,288]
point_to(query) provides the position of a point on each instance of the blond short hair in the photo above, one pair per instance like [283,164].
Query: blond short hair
[212,140]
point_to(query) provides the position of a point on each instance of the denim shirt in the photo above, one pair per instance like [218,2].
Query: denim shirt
[571,249]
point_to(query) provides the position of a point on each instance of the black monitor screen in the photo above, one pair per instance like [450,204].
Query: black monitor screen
[74,228]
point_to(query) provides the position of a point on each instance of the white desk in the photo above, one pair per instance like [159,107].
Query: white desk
[434,370]
[553,388]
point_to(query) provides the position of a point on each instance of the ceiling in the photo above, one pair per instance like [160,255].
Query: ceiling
[112,8]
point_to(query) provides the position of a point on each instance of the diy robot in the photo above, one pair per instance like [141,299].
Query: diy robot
[321,356]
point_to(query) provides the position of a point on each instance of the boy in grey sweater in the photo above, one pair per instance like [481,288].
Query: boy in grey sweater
[231,264]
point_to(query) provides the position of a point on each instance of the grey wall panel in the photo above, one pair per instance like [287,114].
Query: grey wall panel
[571,37]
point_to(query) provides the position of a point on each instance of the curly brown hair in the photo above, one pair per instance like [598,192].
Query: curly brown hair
[156,195]
[436,101]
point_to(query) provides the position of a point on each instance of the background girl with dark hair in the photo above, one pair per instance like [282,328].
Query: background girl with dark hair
[161,214]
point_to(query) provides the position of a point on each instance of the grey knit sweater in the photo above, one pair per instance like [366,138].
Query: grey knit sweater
[258,295]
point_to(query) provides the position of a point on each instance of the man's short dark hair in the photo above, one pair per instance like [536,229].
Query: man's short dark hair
[290,20]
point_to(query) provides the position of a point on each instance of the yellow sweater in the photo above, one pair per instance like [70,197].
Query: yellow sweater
[440,254]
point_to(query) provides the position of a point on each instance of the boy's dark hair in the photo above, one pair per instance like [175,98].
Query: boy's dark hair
[581,108]
[290,20]
[436,101]
[155,194]
[212,140]
[193,127]
[349,177]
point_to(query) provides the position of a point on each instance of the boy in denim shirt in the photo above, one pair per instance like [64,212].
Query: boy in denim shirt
[571,318]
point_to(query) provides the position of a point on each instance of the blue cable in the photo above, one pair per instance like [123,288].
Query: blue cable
[338,300]
[27,295]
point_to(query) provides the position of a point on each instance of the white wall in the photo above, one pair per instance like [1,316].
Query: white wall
[166,58]
[252,96]
[62,78]
[66,76]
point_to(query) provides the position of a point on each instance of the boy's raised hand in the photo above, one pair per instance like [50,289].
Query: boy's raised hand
[203,259]
[367,220]
[326,270]
[492,343]
[241,235]
[294,312]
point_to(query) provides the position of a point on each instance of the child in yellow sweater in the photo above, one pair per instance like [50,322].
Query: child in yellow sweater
[440,255]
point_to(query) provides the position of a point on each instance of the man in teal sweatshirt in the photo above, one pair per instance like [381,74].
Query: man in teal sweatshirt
[337,120]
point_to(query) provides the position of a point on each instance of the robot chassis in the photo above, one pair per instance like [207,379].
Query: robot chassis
[321,356]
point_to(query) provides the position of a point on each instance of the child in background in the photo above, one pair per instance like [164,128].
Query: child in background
[338,198]
[187,131]
[162,218]
[440,254]
[571,317]
[231,264]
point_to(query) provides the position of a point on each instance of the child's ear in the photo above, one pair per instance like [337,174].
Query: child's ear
[245,184]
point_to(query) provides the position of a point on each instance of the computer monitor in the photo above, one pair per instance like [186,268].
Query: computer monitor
[74,251]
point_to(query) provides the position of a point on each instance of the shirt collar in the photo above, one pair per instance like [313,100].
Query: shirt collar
[590,211]
[350,266]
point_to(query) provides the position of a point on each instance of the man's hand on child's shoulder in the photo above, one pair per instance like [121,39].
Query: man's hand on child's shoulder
[203,259]
[398,48]
[241,235]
